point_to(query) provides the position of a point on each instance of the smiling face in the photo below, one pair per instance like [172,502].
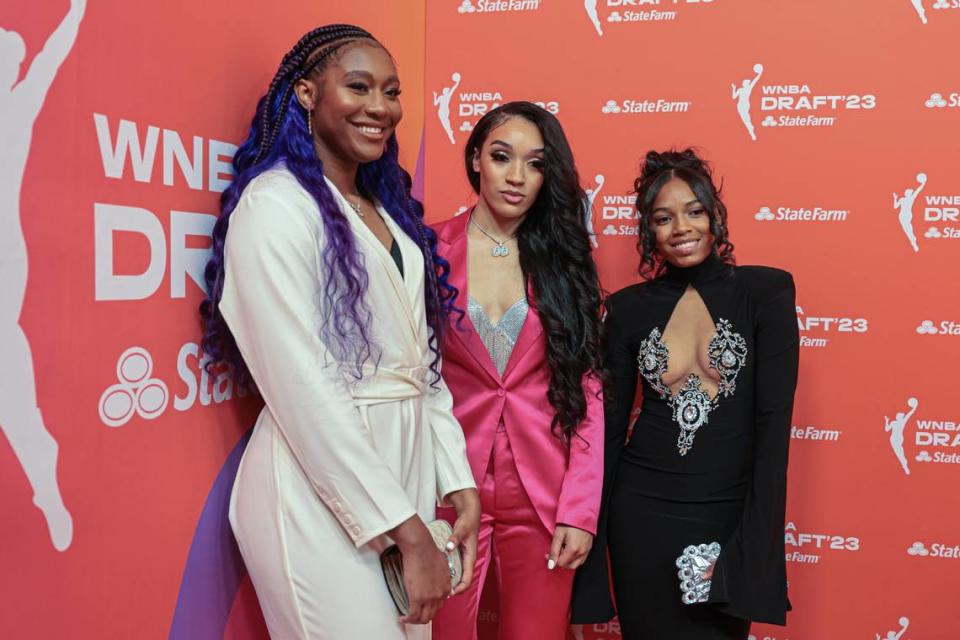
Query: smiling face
[681,225]
[355,103]
[510,165]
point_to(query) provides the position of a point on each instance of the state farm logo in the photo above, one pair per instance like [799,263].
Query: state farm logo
[634,106]
[807,548]
[467,7]
[816,331]
[615,12]
[942,328]
[931,441]
[137,393]
[937,5]
[801,214]
[939,101]
[935,550]
[460,110]
[793,105]
[941,213]
[817,434]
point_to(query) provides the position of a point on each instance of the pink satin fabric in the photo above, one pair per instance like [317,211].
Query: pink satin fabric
[534,601]
[563,482]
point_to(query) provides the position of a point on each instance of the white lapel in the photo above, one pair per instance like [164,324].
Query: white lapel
[404,288]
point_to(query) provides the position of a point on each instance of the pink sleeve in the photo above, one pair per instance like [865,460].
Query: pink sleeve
[579,503]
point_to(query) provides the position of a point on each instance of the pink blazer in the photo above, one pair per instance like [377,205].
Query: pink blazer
[563,482]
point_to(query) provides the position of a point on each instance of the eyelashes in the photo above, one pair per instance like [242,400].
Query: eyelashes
[501,157]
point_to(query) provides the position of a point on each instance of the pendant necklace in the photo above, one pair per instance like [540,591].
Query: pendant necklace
[501,250]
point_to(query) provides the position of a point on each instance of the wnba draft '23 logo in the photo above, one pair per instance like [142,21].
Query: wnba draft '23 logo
[635,11]
[138,393]
[20,417]
[459,110]
[816,331]
[933,440]
[941,213]
[921,10]
[467,7]
[791,105]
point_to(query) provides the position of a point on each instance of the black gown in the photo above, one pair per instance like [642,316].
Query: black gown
[729,486]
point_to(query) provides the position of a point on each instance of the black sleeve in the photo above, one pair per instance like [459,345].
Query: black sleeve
[592,602]
[749,580]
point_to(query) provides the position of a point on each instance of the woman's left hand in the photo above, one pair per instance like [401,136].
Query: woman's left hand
[569,548]
[466,502]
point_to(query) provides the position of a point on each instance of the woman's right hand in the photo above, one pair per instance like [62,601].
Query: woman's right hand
[425,572]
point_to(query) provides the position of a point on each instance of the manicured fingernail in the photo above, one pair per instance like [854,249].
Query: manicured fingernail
[551,563]
[450,545]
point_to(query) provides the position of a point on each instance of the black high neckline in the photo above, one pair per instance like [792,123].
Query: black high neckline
[712,267]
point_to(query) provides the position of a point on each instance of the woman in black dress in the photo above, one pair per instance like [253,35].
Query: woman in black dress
[716,347]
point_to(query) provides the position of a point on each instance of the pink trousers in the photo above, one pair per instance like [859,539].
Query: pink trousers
[534,601]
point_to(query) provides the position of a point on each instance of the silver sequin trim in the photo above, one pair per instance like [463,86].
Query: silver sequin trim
[692,405]
[500,338]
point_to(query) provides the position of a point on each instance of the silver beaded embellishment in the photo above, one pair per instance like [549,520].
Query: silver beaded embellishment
[692,405]
[499,338]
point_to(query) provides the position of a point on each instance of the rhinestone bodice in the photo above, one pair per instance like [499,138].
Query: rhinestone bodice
[499,338]
[691,404]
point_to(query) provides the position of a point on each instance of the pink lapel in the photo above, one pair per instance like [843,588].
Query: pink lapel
[530,334]
[454,234]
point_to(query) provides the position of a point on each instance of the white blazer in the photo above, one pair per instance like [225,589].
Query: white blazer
[332,463]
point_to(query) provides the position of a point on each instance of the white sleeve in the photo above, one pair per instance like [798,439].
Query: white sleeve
[449,445]
[270,302]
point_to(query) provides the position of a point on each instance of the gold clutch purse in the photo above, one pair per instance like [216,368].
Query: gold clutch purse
[391,561]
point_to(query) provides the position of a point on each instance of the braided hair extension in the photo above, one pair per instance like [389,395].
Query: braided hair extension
[658,169]
[275,138]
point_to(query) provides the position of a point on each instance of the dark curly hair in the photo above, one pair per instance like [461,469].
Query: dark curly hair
[658,169]
[556,259]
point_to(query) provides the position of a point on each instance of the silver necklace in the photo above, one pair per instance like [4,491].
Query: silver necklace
[355,206]
[501,250]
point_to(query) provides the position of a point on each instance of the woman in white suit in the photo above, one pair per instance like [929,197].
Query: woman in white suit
[325,290]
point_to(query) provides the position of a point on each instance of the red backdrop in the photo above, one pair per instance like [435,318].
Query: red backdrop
[854,101]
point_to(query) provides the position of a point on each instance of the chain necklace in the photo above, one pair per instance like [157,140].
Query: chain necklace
[355,206]
[501,250]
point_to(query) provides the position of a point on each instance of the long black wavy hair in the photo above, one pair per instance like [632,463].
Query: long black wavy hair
[280,136]
[659,167]
[556,260]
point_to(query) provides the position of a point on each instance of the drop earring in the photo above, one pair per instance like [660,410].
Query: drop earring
[310,122]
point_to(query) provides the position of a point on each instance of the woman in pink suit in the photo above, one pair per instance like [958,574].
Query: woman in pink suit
[523,363]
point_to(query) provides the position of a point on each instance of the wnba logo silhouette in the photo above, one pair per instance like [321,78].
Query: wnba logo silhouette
[904,206]
[742,95]
[588,208]
[20,418]
[590,6]
[896,428]
[904,623]
[135,392]
[442,102]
